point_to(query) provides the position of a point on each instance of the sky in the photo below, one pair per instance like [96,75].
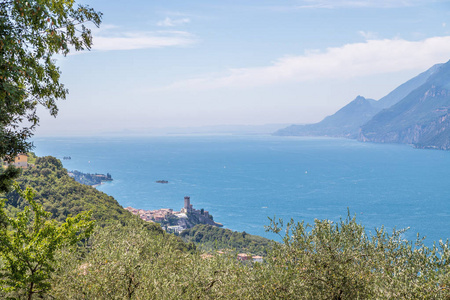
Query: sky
[190,63]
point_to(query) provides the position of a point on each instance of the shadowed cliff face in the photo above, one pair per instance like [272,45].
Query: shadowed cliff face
[436,136]
[421,118]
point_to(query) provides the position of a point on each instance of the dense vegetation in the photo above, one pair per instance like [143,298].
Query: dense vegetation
[29,243]
[214,238]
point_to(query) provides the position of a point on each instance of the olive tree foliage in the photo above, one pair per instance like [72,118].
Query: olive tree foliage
[29,243]
[131,262]
[325,260]
[340,260]
[31,33]
[126,262]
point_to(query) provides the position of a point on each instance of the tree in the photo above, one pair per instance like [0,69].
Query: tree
[31,33]
[28,244]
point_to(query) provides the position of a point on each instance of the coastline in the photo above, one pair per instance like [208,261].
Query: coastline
[96,185]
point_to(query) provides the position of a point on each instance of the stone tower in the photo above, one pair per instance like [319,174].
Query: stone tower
[187,203]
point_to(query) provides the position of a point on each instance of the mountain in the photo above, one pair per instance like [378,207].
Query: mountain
[421,118]
[344,123]
[348,120]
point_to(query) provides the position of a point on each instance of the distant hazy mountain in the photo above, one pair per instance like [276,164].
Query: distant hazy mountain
[265,129]
[344,123]
[421,118]
[348,120]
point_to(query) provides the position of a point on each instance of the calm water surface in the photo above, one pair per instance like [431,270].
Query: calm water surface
[243,180]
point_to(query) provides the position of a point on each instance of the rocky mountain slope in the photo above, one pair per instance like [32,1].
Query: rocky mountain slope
[421,118]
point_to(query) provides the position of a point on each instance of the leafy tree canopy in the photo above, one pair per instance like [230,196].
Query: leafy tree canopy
[31,33]
[28,244]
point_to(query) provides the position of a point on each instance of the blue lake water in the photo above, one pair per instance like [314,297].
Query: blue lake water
[243,180]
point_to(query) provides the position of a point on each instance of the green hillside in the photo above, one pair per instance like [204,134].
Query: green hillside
[62,195]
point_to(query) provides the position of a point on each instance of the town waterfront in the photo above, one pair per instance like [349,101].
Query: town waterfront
[242,180]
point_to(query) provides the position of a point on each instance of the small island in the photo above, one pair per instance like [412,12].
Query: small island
[176,221]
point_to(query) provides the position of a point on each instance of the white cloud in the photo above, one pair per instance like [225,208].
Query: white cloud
[349,61]
[168,22]
[107,41]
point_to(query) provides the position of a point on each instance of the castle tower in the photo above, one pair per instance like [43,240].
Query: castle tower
[187,203]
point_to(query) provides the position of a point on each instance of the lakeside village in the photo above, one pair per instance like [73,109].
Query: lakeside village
[176,221]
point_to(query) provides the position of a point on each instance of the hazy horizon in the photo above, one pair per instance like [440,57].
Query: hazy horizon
[238,129]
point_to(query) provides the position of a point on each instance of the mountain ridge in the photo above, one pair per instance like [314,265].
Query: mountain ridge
[405,115]
[344,123]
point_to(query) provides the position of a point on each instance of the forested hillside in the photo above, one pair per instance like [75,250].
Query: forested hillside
[62,195]
[214,238]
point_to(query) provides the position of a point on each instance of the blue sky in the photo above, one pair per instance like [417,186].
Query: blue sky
[186,63]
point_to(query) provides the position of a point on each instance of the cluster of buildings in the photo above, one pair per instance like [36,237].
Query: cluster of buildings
[158,215]
[187,217]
